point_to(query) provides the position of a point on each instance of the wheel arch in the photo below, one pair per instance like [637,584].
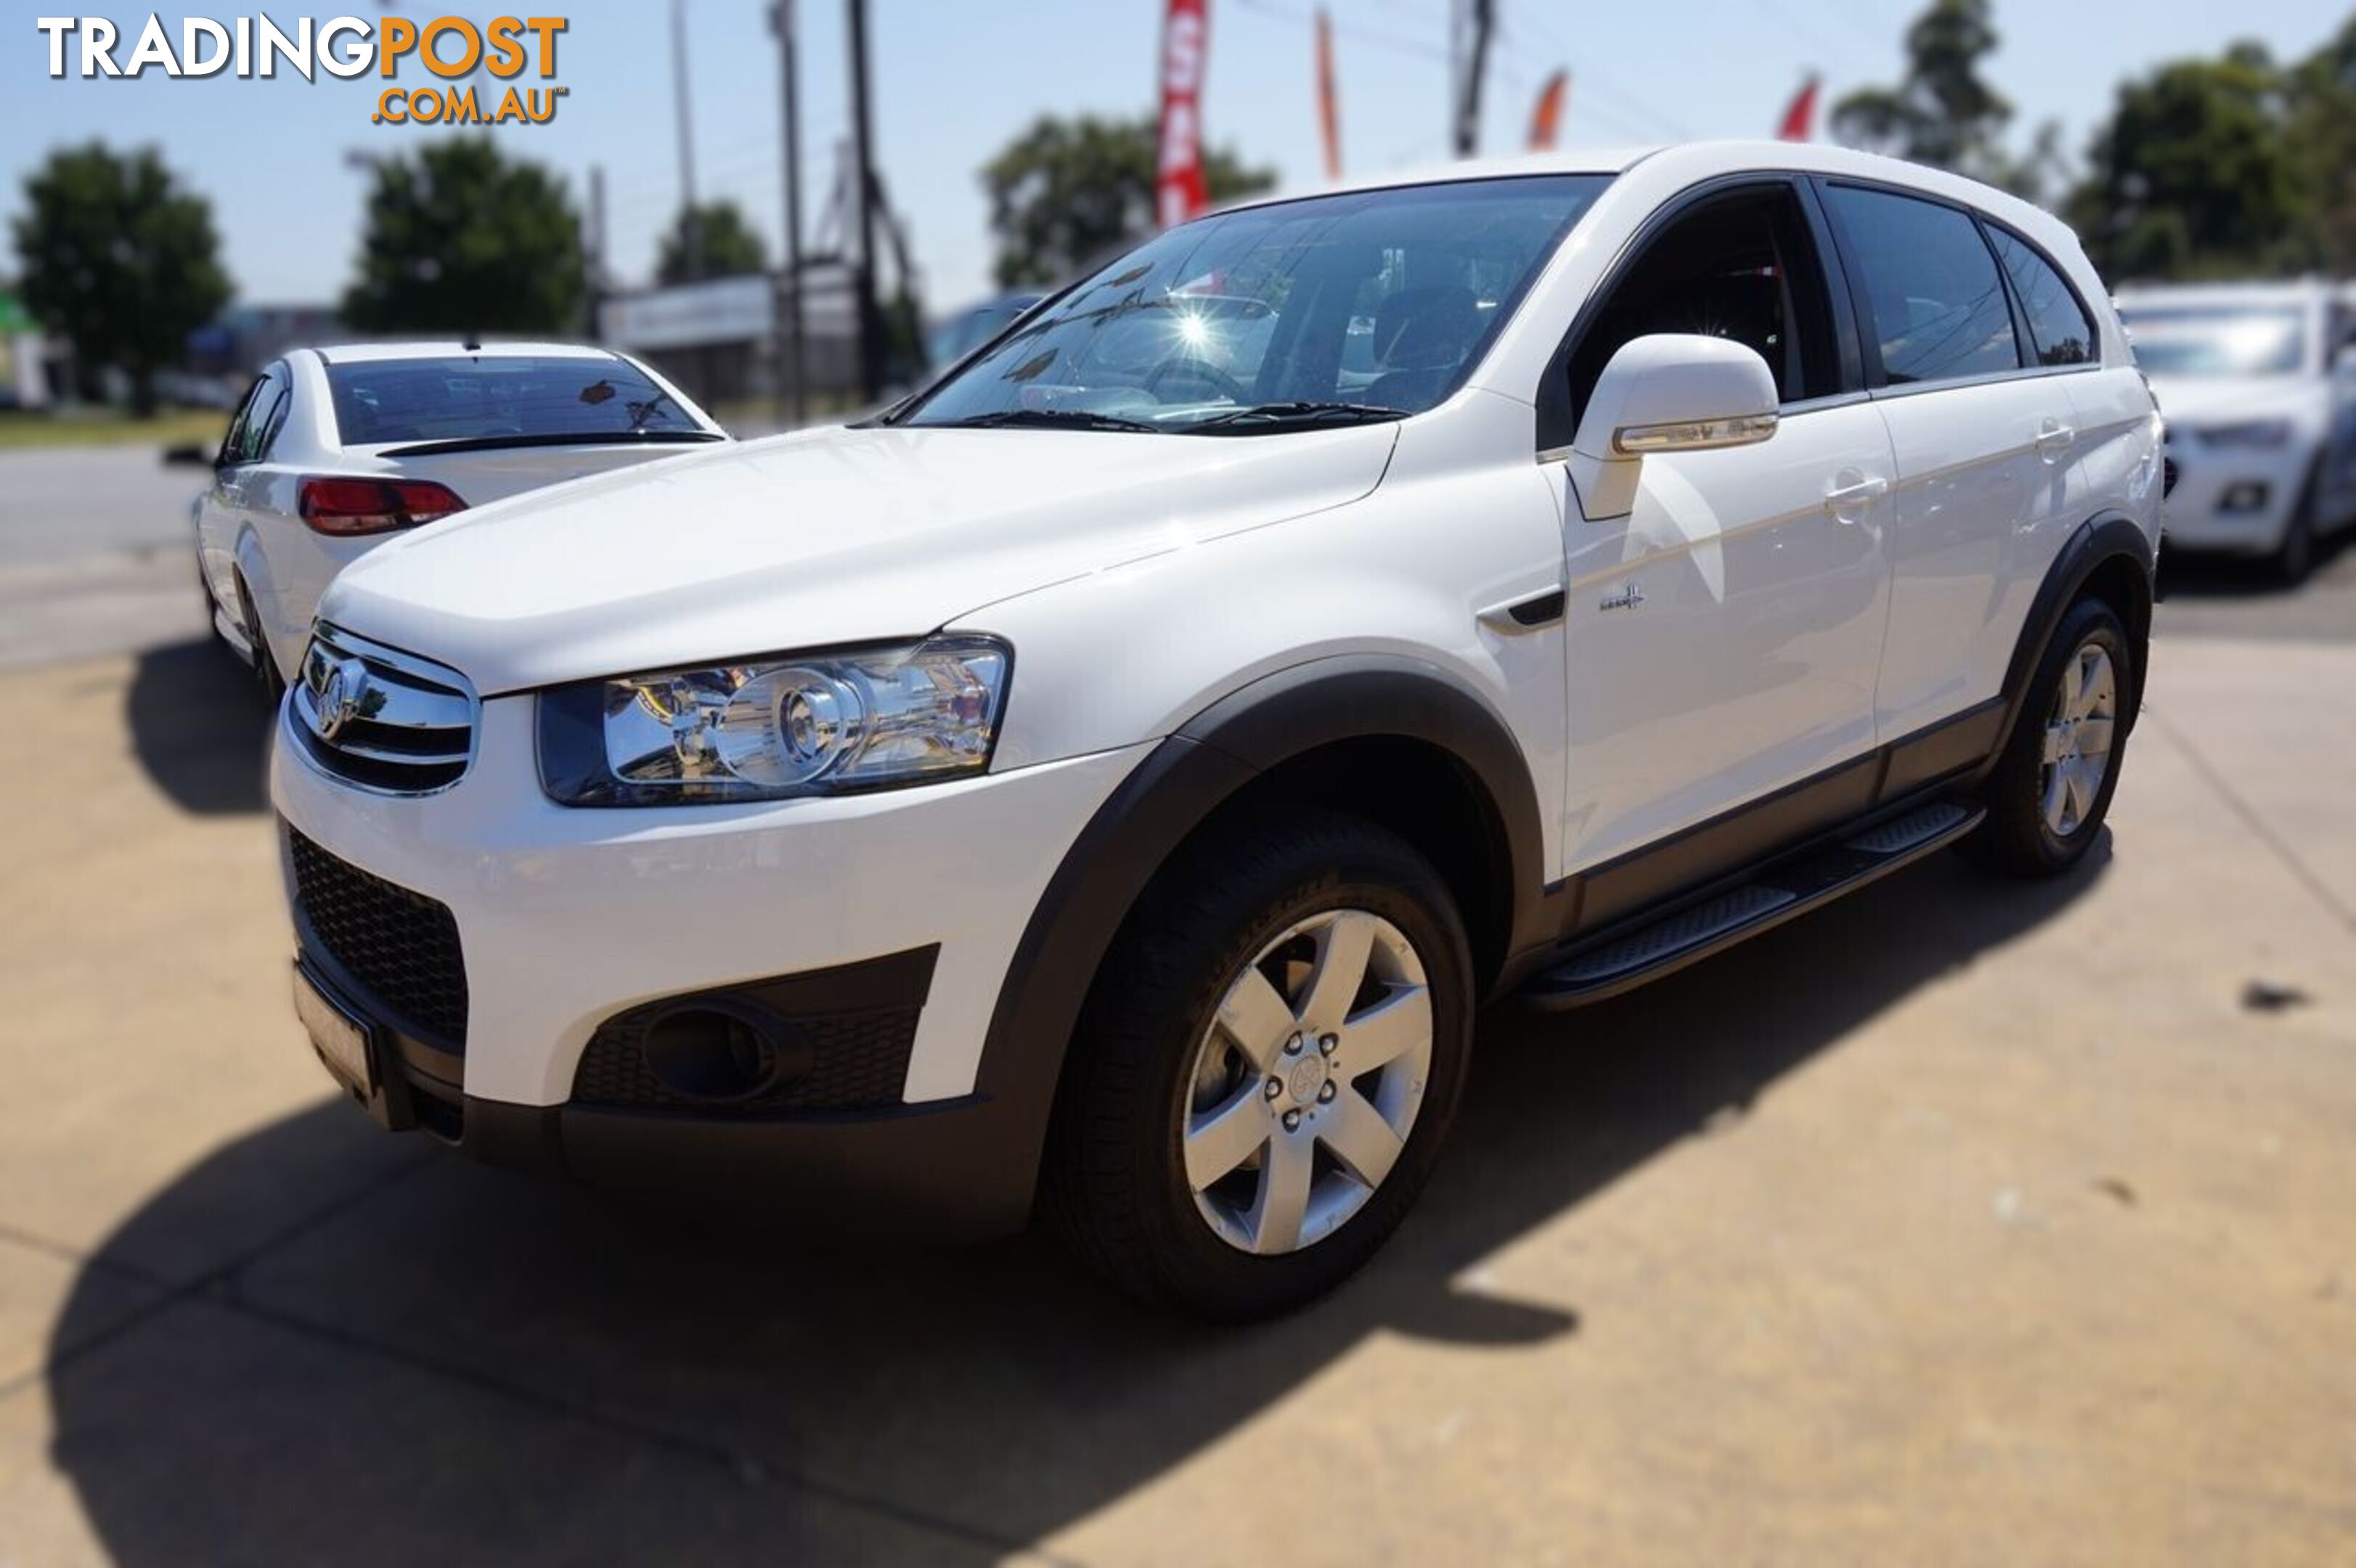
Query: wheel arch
[2109,556]
[1399,741]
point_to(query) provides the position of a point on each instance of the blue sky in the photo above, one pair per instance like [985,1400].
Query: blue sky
[955,80]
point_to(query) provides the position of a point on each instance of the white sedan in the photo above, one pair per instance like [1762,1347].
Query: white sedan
[333,450]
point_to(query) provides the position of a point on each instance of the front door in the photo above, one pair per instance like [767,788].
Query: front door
[1724,637]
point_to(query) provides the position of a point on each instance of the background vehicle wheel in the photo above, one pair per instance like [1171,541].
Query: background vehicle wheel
[265,667]
[1265,1068]
[2295,557]
[2051,790]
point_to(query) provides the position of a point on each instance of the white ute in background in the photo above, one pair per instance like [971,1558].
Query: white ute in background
[334,450]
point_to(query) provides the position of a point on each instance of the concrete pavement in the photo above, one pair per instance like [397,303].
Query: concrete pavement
[96,553]
[1964,1222]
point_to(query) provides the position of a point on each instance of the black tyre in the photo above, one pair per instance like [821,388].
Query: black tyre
[1265,1068]
[265,667]
[2293,557]
[2051,790]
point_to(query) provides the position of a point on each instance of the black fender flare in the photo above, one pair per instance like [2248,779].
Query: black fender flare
[1199,767]
[2099,540]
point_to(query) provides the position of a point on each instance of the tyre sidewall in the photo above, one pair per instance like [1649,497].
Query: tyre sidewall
[1387,878]
[2093,622]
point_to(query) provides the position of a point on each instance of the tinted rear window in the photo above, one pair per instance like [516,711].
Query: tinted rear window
[2063,332]
[1939,309]
[466,399]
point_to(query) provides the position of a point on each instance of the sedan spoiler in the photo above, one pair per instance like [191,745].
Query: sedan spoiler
[582,438]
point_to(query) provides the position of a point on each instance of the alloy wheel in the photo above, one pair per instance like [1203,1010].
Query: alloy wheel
[1306,1084]
[2079,734]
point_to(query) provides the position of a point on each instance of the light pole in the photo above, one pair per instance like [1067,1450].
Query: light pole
[792,360]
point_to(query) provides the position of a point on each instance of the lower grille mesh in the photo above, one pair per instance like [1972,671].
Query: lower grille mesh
[401,947]
[859,1061]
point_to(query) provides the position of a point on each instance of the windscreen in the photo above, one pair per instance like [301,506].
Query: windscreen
[1375,300]
[2218,342]
[499,397]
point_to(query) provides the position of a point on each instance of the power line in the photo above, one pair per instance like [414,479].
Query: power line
[1352,31]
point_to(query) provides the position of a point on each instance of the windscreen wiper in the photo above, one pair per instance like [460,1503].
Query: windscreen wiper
[573,438]
[1291,416]
[1045,419]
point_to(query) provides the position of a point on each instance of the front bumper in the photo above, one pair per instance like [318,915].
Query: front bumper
[2196,514]
[568,917]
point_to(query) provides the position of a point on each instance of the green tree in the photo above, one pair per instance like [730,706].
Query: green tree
[121,260]
[728,245]
[1943,113]
[460,239]
[1066,191]
[2320,105]
[2193,175]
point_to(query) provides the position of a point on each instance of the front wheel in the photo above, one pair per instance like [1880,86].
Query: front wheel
[1265,1067]
[2050,791]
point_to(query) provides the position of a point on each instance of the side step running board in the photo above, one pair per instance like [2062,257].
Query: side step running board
[1615,961]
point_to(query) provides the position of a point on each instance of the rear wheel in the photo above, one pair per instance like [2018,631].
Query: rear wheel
[2051,789]
[1265,1068]
[265,667]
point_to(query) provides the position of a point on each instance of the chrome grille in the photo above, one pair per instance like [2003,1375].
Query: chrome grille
[380,717]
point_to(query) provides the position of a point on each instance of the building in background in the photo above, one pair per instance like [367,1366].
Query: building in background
[720,339]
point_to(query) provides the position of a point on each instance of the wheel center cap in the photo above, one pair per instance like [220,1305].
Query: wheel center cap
[1305,1080]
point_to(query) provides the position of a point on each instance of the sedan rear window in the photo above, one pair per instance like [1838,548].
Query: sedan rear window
[499,398]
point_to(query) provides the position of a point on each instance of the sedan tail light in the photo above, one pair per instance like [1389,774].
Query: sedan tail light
[344,507]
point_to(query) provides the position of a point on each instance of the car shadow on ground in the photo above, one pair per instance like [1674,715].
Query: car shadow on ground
[459,1359]
[200,727]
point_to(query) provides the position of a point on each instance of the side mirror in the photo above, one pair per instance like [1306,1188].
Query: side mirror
[1667,393]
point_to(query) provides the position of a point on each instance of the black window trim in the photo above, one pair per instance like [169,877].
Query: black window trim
[227,456]
[1877,387]
[275,420]
[1555,432]
[1990,227]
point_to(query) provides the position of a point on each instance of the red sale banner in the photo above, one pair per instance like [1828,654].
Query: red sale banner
[1183,190]
[1800,119]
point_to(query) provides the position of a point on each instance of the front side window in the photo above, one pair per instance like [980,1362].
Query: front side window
[1739,266]
[2219,340]
[500,398]
[1371,303]
[2059,330]
[1939,309]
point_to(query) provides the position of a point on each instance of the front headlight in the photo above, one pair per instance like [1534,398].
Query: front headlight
[2262,434]
[773,728]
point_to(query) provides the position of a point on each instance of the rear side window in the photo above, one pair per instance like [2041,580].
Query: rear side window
[466,399]
[1939,309]
[258,418]
[2059,330]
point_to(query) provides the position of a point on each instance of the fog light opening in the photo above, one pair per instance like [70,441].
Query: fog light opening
[718,1055]
[2245,497]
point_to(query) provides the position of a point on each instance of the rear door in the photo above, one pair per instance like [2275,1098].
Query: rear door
[240,496]
[1986,442]
[216,512]
[1723,637]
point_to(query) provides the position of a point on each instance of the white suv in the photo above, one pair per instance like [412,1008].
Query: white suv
[1117,774]
[2258,383]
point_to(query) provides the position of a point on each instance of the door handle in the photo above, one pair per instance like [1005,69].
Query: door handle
[1845,501]
[2053,436]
